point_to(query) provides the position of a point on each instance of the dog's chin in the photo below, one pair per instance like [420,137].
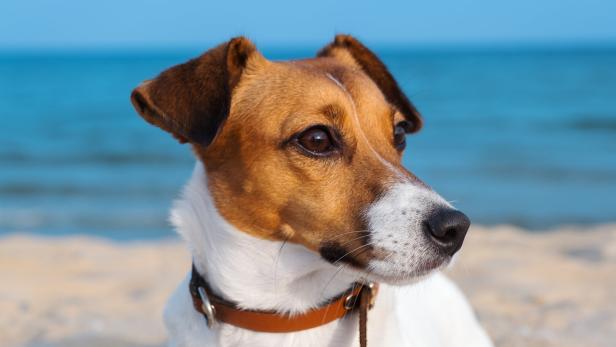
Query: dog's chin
[397,275]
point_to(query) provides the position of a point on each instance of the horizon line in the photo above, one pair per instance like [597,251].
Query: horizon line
[383,45]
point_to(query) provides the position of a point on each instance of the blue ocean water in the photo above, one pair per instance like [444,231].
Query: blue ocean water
[517,136]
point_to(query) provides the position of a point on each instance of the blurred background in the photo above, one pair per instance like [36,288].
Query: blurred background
[519,102]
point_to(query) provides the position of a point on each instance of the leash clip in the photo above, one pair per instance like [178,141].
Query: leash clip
[374,290]
[208,309]
[351,299]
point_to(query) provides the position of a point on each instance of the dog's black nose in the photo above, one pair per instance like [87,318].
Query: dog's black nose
[447,228]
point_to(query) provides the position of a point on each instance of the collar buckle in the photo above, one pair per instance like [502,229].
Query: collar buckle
[350,300]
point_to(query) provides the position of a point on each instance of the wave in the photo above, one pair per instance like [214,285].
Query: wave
[101,159]
[594,124]
[67,190]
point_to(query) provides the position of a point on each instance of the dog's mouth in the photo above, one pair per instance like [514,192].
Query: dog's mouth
[392,266]
[402,272]
[337,254]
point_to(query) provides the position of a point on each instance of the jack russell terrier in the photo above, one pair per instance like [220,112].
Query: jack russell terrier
[299,206]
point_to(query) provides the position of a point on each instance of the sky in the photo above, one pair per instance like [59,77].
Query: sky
[182,23]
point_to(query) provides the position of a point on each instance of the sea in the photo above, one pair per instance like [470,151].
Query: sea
[513,135]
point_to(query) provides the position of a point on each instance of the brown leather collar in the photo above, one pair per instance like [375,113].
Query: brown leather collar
[216,309]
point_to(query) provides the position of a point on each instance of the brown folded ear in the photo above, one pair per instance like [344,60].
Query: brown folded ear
[192,100]
[377,71]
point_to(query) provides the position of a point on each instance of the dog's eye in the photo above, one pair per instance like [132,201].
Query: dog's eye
[316,140]
[400,131]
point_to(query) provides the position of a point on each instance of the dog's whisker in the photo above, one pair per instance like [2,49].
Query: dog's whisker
[350,232]
[354,239]
[362,251]
[385,260]
[340,268]
[346,233]
[354,250]
[279,254]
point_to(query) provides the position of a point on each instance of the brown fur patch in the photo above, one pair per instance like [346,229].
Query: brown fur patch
[345,46]
[259,179]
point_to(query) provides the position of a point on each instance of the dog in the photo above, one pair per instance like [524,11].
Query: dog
[299,198]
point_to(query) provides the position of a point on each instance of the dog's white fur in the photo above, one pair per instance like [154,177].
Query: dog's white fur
[265,275]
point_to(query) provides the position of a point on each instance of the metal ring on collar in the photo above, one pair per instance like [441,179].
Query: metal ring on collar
[208,309]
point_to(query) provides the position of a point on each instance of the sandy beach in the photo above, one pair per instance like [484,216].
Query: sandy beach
[554,288]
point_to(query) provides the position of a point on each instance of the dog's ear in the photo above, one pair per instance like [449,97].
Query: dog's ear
[192,100]
[345,45]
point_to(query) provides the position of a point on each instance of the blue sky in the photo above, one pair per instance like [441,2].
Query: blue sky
[163,23]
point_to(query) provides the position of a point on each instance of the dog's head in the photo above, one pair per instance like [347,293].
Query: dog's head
[309,152]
